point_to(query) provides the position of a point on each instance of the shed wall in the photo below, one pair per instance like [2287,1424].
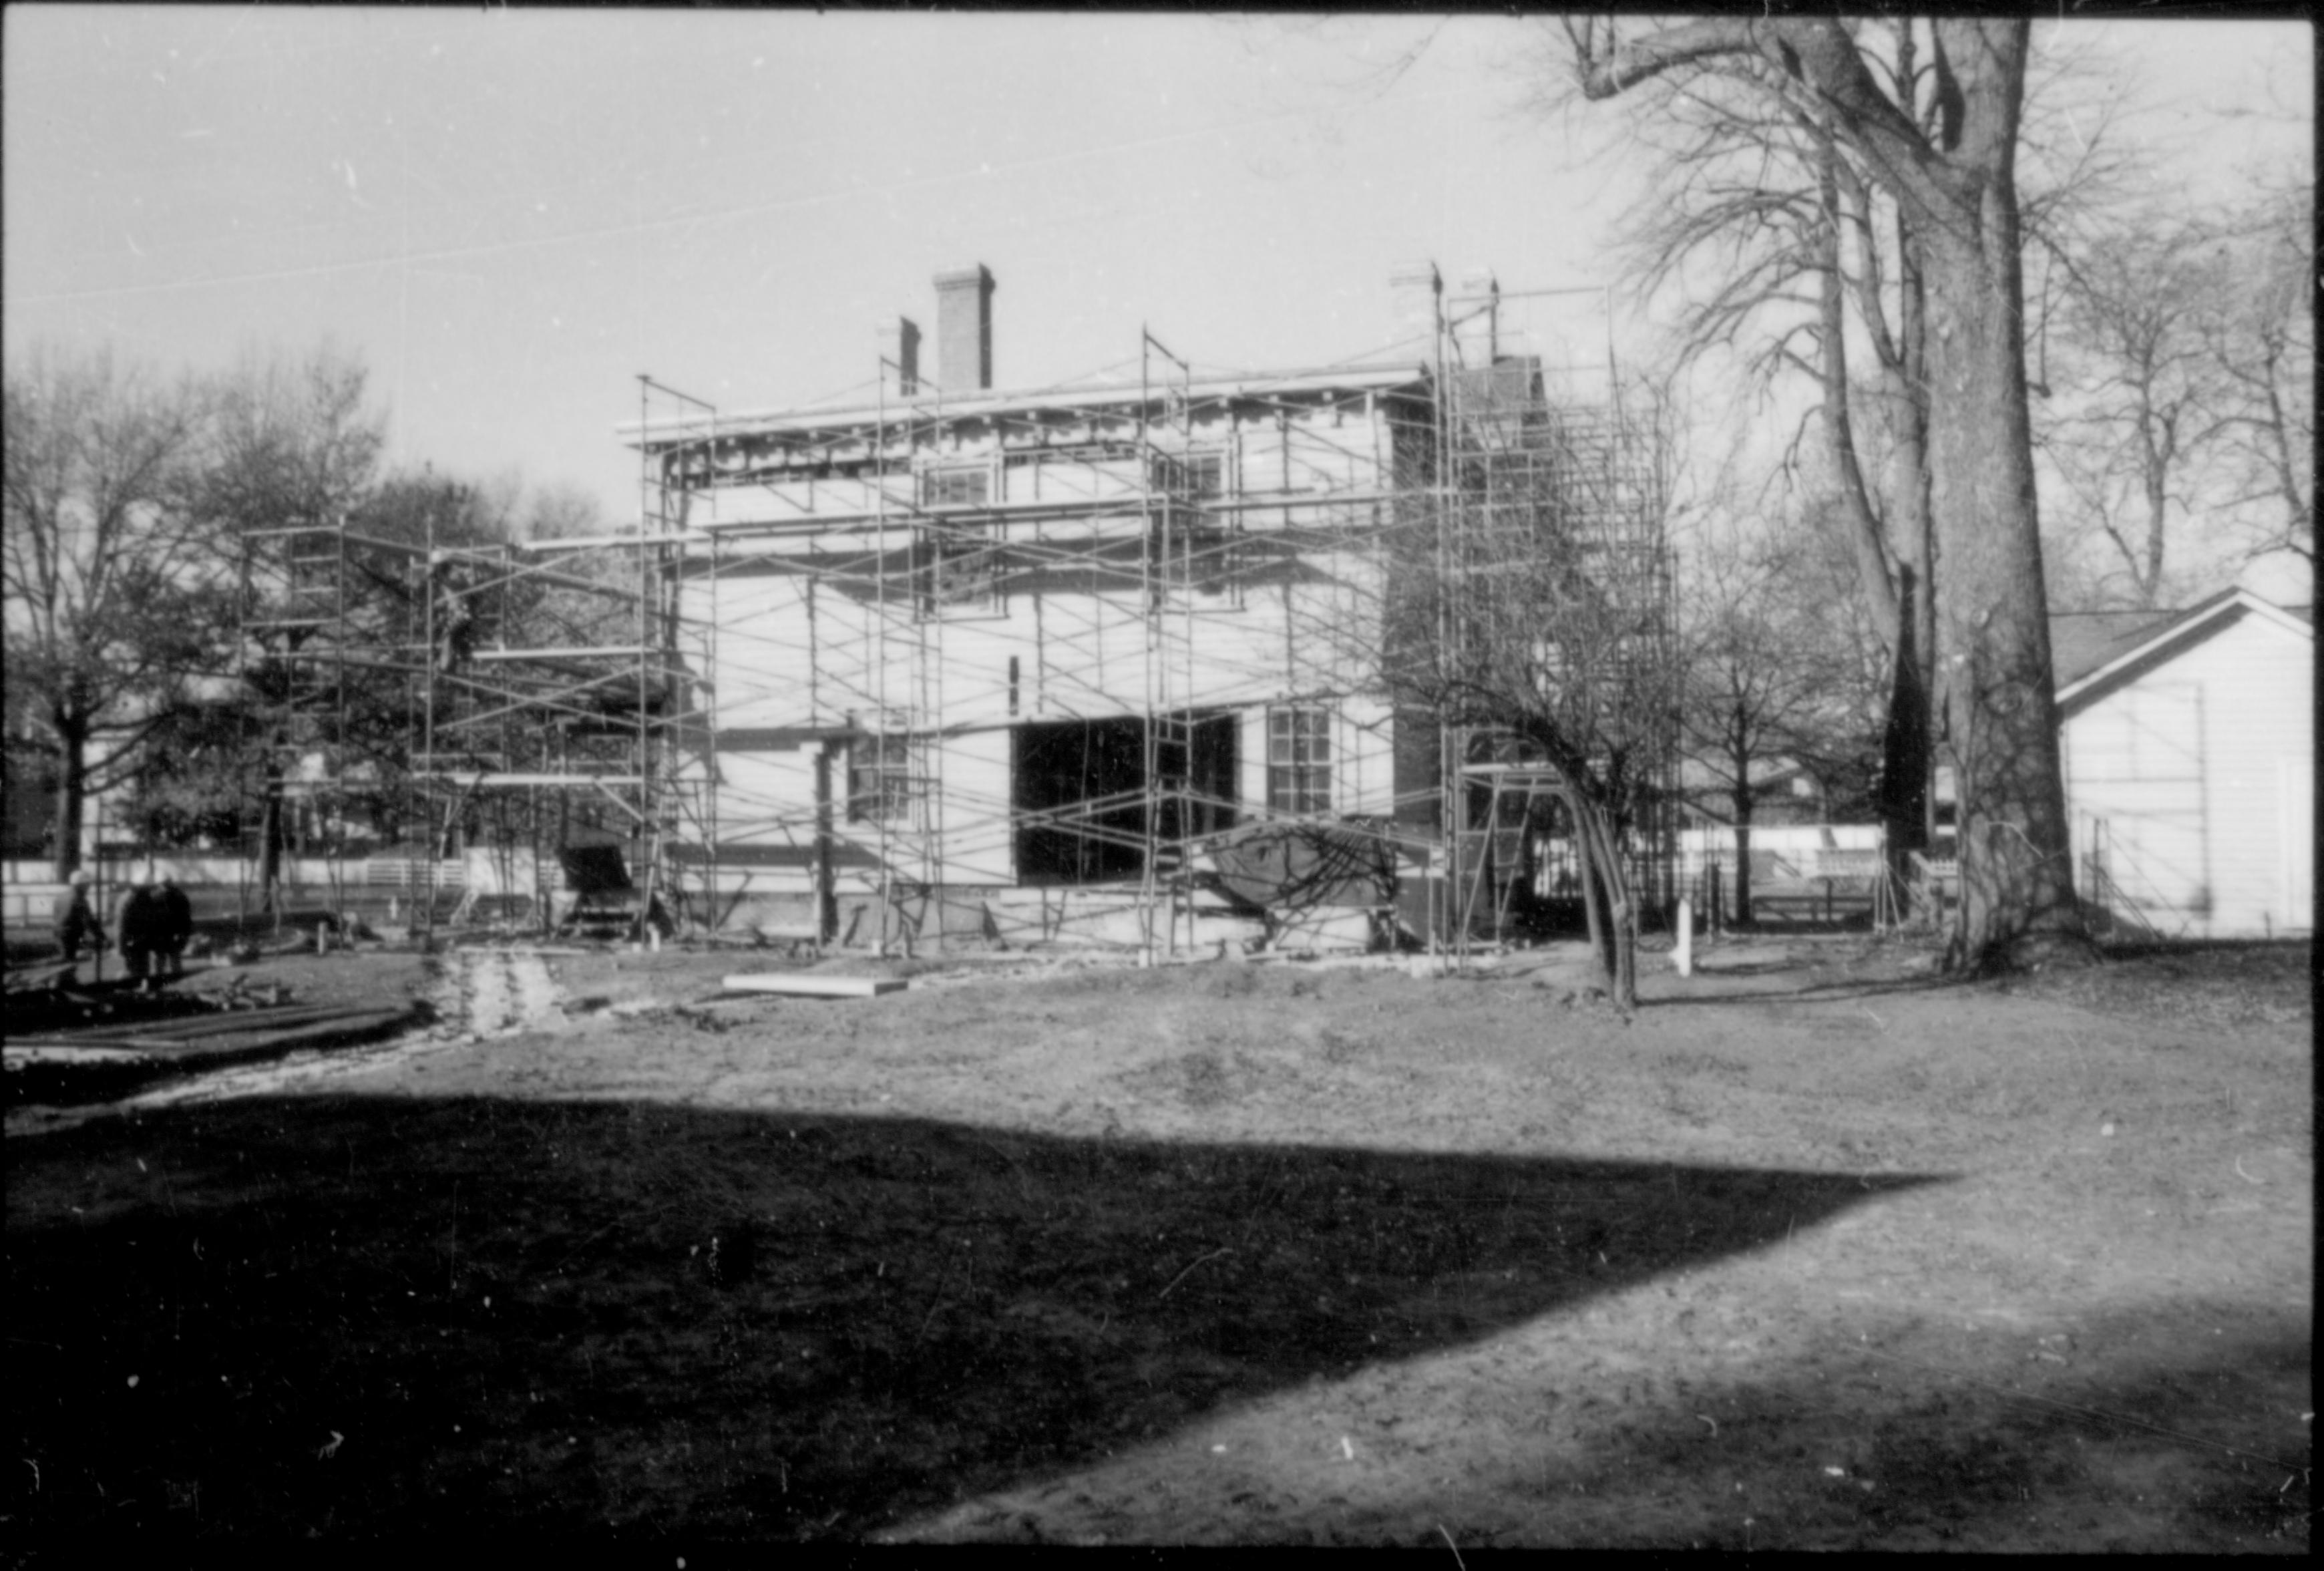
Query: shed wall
[2196,779]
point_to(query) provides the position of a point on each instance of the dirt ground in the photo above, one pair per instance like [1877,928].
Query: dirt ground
[1814,1251]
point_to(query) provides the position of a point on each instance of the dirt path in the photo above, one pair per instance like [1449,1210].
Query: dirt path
[497,991]
[1810,1253]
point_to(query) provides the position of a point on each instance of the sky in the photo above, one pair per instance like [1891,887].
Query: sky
[508,216]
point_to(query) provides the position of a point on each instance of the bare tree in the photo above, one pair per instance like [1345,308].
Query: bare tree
[2260,338]
[2133,394]
[1777,242]
[292,451]
[2179,413]
[1951,175]
[113,597]
[1527,598]
[1773,668]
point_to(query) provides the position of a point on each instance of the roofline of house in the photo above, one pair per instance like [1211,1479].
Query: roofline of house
[934,404]
[2194,618]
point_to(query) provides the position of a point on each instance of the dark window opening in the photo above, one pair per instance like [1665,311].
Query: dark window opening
[1081,799]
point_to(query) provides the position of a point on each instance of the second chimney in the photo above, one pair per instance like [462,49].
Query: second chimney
[965,329]
[899,352]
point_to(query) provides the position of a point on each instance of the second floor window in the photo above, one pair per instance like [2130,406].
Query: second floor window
[961,572]
[964,487]
[1196,476]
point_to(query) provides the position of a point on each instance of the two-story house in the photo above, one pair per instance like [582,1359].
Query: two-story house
[973,660]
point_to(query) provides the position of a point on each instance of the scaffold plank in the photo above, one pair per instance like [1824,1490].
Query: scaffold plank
[813,985]
[598,651]
[492,778]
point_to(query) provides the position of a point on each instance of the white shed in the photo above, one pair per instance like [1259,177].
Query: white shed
[2189,753]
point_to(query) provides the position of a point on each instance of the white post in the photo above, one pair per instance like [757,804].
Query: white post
[1684,954]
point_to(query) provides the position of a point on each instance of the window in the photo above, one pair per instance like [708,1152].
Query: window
[880,786]
[961,487]
[1200,476]
[1299,760]
[962,571]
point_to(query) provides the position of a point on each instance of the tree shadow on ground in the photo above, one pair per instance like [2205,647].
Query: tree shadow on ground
[354,1316]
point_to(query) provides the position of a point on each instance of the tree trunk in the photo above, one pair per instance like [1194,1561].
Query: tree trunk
[1905,753]
[1892,561]
[72,797]
[1908,752]
[1622,914]
[2150,579]
[1585,858]
[270,842]
[1743,855]
[2017,895]
[1604,879]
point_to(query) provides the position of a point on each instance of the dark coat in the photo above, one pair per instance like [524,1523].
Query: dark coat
[143,920]
[176,918]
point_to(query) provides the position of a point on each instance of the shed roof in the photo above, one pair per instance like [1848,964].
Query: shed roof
[2081,641]
[2090,651]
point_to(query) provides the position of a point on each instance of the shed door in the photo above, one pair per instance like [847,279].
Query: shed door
[2139,767]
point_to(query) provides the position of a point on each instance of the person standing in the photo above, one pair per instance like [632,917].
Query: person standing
[76,924]
[140,923]
[177,926]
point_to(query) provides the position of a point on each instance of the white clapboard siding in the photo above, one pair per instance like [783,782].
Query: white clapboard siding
[2258,682]
[805,637]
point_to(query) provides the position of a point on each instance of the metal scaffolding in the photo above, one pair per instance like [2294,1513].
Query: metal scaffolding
[510,697]
[945,639]
[1542,455]
[1138,546]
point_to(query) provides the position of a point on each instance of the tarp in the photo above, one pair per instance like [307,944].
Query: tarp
[595,870]
[1297,867]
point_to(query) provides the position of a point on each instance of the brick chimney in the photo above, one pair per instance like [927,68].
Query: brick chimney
[965,329]
[900,346]
[1418,289]
[1475,317]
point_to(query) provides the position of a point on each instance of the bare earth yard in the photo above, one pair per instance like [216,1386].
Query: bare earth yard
[1813,1252]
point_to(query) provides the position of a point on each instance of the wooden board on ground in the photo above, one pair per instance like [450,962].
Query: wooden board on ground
[253,1035]
[812,986]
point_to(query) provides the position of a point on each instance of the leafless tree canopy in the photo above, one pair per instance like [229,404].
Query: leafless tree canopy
[1930,118]
[113,595]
